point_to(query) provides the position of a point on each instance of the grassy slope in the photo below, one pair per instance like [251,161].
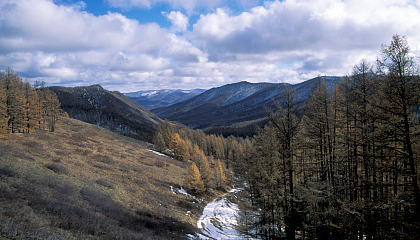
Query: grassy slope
[83,182]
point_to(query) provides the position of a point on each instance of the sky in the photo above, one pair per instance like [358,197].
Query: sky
[132,45]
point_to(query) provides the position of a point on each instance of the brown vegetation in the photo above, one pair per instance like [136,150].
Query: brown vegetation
[84,182]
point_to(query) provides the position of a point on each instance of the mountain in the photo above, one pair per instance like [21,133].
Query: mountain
[152,99]
[231,107]
[110,110]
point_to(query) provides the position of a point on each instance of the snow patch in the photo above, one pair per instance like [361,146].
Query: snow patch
[158,153]
[183,191]
[219,219]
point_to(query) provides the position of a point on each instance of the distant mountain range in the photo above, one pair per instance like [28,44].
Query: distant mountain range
[230,109]
[234,108]
[152,99]
[107,109]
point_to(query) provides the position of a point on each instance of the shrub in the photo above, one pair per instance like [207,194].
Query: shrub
[7,171]
[104,182]
[102,167]
[103,158]
[57,168]
[160,164]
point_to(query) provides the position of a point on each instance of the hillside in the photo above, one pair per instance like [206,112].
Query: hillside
[152,99]
[110,110]
[85,182]
[234,106]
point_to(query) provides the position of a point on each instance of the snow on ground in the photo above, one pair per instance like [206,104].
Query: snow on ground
[183,191]
[219,219]
[158,153]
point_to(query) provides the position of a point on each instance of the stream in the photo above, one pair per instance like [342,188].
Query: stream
[219,219]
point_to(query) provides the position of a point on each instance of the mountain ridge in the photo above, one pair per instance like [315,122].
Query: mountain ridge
[234,104]
[152,99]
[109,109]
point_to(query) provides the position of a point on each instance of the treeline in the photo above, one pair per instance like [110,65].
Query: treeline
[208,155]
[23,107]
[348,167]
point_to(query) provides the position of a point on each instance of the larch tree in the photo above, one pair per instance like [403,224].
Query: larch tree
[220,176]
[203,166]
[16,101]
[180,147]
[398,99]
[4,118]
[34,107]
[193,181]
[159,142]
[287,123]
[51,109]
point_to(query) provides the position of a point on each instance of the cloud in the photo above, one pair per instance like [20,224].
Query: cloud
[322,34]
[280,41]
[64,45]
[188,5]
[179,21]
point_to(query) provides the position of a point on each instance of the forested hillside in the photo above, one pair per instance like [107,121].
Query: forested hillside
[209,156]
[234,109]
[347,168]
[108,109]
[24,108]
[152,99]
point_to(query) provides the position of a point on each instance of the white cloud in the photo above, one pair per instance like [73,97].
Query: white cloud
[326,36]
[188,5]
[179,21]
[291,40]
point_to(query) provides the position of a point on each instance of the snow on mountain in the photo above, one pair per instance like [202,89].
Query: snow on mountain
[233,104]
[152,99]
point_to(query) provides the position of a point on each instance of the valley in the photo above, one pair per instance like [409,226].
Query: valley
[328,158]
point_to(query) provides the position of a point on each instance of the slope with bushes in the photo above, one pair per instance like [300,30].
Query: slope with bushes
[85,182]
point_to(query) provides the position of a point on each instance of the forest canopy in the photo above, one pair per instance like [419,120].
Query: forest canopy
[345,164]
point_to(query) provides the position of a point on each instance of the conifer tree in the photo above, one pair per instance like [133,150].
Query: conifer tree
[16,101]
[159,142]
[4,118]
[167,130]
[203,166]
[398,99]
[34,116]
[51,108]
[220,176]
[193,181]
[180,147]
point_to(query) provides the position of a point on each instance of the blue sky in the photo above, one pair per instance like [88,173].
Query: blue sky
[131,45]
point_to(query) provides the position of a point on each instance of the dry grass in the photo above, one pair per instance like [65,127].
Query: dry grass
[84,182]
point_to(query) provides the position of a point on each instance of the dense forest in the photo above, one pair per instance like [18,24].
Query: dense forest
[24,107]
[345,164]
[210,156]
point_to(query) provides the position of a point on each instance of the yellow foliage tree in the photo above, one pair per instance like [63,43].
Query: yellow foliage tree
[220,177]
[203,166]
[180,147]
[4,118]
[193,181]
